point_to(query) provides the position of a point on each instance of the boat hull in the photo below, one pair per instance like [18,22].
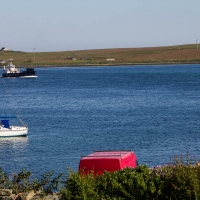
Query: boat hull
[13,131]
[28,73]
[10,75]
[28,77]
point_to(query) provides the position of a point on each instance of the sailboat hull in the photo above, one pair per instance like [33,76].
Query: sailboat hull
[13,131]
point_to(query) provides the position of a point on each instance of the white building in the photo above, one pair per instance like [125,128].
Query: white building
[110,60]
[4,49]
[2,61]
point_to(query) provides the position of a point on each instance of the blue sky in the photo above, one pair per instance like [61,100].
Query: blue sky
[62,25]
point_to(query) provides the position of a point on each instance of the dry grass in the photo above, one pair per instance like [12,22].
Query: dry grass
[155,55]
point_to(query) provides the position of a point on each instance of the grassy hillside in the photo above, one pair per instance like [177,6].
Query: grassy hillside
[154,55]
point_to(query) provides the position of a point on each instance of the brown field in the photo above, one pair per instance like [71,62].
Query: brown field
[122,56]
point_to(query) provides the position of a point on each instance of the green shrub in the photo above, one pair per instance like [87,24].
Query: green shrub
[21,182]
[175,181]
[78,186]
[180,180]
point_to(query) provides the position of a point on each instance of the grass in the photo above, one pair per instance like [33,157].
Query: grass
[151,55]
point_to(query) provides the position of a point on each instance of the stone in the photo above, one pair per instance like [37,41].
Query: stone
[27,195]
[55,196]
[5,192]
[11,197]
[51,197]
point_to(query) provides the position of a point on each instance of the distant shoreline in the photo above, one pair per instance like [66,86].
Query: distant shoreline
[113,65]
[169,55]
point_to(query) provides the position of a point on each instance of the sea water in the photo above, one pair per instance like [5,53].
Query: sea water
[71,112]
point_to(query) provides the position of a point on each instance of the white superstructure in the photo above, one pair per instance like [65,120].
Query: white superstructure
[10,68]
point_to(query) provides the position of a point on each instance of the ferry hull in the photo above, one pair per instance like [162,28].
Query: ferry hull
[17,75]
[28,77]
[28,73]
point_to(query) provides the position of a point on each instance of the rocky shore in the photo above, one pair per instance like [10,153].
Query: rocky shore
[7,194]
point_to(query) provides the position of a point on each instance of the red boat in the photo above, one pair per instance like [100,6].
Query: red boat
[110,161]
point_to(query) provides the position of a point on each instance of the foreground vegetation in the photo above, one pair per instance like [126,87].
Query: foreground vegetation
[120,56]
[180,180]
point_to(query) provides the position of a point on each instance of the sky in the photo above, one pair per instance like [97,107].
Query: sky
[67,25]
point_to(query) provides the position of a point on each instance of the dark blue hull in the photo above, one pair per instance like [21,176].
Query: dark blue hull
[27,72]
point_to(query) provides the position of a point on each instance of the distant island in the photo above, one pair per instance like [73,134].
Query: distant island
[181,54]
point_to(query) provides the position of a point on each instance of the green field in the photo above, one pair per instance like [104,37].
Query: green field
[122,56]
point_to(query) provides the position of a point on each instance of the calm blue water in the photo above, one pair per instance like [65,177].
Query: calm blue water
[152,110]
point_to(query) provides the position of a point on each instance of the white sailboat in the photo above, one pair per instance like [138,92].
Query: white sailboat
[11,131]
[7,130]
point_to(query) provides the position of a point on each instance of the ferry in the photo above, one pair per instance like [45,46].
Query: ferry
[10,71]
